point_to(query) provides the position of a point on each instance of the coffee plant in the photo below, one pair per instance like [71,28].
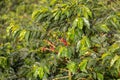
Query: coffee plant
[60,40]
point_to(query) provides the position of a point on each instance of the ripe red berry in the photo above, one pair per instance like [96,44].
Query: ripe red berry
[64,41]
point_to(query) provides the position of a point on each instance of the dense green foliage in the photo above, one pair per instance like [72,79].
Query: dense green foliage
[60,40]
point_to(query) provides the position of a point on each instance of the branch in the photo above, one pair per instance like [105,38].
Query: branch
[61,77]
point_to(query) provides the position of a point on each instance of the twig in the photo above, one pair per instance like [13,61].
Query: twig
[61,77]
[70,77]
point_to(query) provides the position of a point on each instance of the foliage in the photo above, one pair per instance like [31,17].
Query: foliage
[61,39]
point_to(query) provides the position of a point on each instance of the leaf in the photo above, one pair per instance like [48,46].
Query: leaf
[84,45]
[114,47]
[46,69]
[78,46]
[16,34]
[116,57]
[100,76]
[80,23]
[35,14]
[114,25]
[34,34]
[83,65]
[87,42]
[104,55]
[14,28]
[67,13]
[3,61]
[71,34]
[27,35]
[63,52]
[86,23]
[84,12]
[87,11]
[38,15]
[72,66]
[22,34]
[104,28]
[75,23]
[8,30]
[38,72]
[52,2]
[57,15]
[117,65]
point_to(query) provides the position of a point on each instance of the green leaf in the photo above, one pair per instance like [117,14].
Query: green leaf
[104,28]
[117,65]
[63,52]
[78,46]
[83,65]
[87,11]
[100,76]
[114,25]
[71,34]
[80,23]
[41,72]
[35,14]
[22,34]
[116,57]
[67,13]
[27,35]
[84,45]
[72,66]
[52,2]
[38,15]
[87,42]
[75,23]
[104,55]
[85,14]
[16,34]
[57,17]
[46,69]
[3,61]
[86,22]
[114,47]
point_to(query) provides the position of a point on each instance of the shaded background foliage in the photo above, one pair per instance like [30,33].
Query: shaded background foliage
[60,39]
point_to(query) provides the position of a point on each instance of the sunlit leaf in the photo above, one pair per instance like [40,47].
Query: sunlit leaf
[63,52]
[104,28]
[83,65]
[72,66]
[71,34]
[75,22]
[80,23]
[86,22]
[40,72]
[115,58]
[78,46]
[104,55]
[53,2]
[57,15]
[100,76]
[114,47]
[88,11]
[22,34]
[35,14]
